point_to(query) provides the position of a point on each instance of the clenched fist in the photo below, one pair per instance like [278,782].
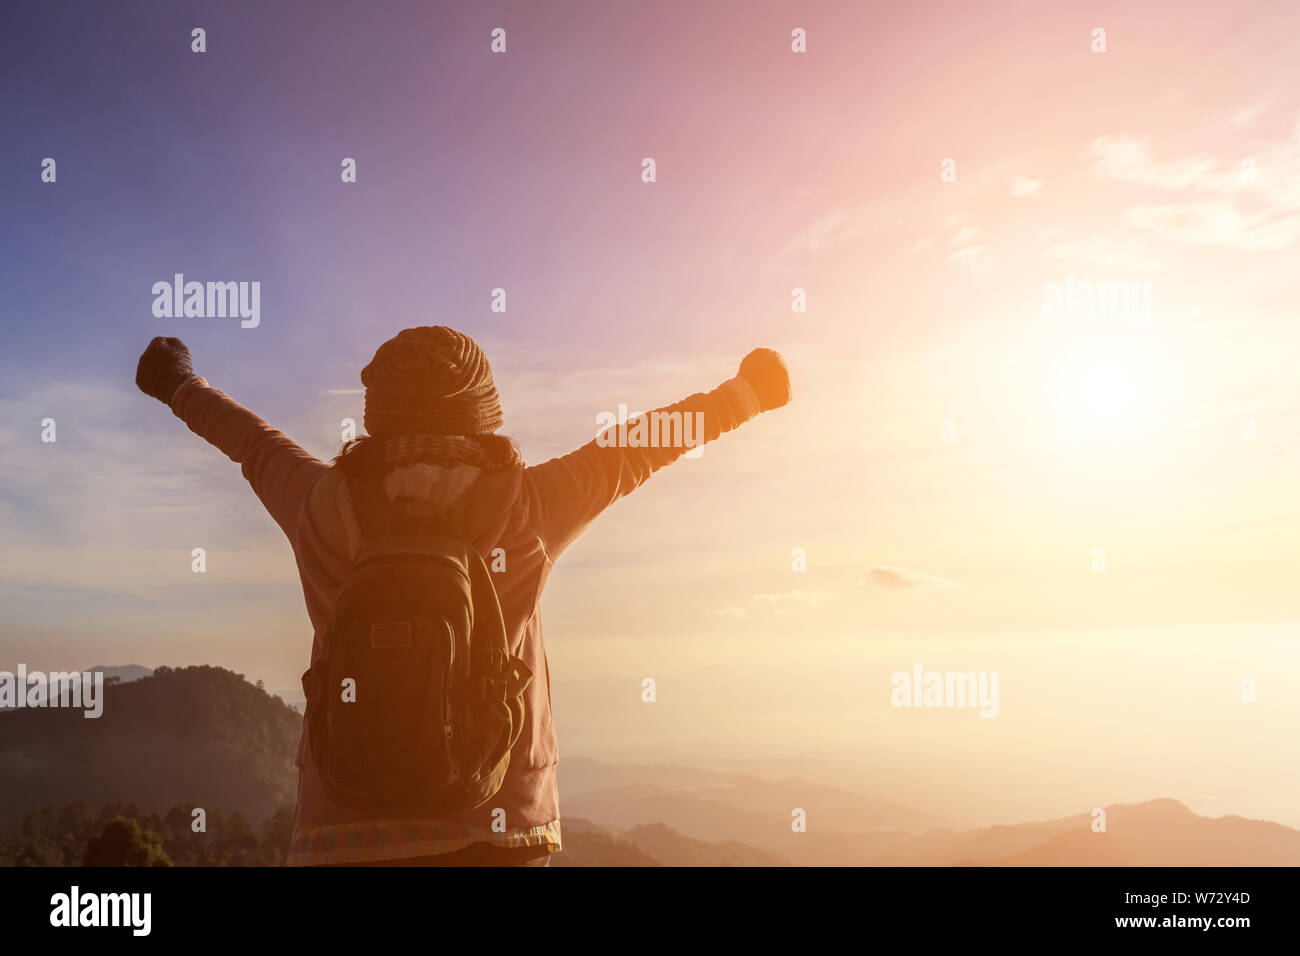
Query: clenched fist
[766,372]
[164,367]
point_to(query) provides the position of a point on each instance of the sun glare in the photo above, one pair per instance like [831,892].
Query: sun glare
[1107,394]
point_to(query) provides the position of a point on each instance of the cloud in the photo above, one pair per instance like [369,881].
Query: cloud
[1130,160]
[1024,186]
[845,224]
[732,612]
[971,255]
[788,602]
[903,579]
[1248,116]
[1260,189]
[99,528]
[855,223]
[1217,223]
[971,251]
[1107,252]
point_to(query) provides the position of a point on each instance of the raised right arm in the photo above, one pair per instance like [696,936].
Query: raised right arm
[564,495]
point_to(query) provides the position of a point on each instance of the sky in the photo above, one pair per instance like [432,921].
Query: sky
[1101,509]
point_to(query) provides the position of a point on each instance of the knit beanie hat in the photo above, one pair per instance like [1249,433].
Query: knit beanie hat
[430,380]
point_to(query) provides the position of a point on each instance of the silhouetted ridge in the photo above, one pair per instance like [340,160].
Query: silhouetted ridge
[193,735]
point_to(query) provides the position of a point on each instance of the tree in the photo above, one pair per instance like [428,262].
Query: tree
[122,842]
[277,833]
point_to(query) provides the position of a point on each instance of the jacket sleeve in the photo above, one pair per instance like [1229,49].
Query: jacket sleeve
[279,471]
[566,494]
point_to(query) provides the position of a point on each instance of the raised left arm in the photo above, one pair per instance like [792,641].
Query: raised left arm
[279,471]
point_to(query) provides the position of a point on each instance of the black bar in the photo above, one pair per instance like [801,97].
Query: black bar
[565,905]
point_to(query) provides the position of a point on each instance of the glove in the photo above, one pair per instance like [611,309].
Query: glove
[766,372]
[164,367]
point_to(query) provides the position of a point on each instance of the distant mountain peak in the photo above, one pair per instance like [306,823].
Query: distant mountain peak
[123,672]
[1162,804]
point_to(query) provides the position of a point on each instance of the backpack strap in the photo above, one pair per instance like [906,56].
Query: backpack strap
[510,681]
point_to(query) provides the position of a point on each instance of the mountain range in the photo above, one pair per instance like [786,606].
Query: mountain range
[205,736]
[195,735]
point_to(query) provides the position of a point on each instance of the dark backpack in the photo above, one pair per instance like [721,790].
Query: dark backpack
[438,696]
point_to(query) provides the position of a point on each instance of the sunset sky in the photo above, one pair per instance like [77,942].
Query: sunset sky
[1170,441]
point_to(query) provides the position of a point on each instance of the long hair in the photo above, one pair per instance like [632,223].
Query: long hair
[364,456]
